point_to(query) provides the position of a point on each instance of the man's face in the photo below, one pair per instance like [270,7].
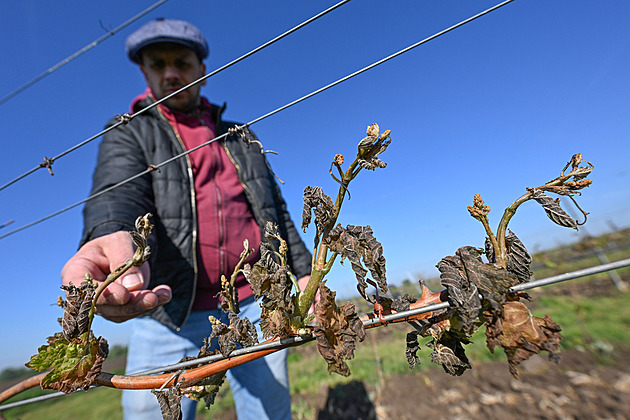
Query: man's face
[168,67]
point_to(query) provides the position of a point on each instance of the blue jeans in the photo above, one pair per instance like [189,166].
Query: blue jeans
[260,388]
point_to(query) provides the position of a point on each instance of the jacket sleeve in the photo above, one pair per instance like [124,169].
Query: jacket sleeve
[120,157]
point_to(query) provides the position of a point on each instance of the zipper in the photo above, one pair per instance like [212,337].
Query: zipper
[222,262]
[193,202]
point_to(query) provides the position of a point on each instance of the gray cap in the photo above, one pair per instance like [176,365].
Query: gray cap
[166,30]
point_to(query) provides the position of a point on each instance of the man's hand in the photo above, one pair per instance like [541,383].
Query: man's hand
[125,298]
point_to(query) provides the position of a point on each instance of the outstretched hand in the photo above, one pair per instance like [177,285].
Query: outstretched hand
[126,297]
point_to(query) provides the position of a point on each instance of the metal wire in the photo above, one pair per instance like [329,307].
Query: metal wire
[285,342]
[257,119]
[520,287]
[80,52]
[128,117]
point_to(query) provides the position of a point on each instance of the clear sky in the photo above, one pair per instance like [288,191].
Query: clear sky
[495,106]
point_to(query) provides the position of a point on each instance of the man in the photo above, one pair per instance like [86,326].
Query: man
[203,206]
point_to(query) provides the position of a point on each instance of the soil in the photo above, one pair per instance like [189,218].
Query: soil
[581,386]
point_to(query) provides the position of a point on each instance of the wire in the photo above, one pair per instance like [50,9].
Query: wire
[285,342]
[257,119]
[125,119]
[80,52]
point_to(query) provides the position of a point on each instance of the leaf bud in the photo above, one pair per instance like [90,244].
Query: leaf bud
[372,130]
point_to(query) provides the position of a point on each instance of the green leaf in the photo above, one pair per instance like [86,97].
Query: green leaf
[74,364]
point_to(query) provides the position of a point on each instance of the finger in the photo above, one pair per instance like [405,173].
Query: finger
[139,303]
[119,249]
[115,294]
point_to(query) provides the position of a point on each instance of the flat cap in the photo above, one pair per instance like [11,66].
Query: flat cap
[166,30]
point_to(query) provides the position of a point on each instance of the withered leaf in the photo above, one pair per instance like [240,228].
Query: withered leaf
[553,210]
[463,292]
[357,243]
[337,331]
[412,348]
[77,307]
[449,352]
[518,259]
[74,364]
[521,335]
[240,331]
[207,389]
[170,403]
[402,303]
[272,281]
[321,205]
[372,146]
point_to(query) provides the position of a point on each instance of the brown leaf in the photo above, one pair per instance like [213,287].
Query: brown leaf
[521,335]
[240,331]
[77,307]
[412,348]
[337,331]
[462,292]
[553,210]
[357,244]
[402,303]
[372,146]
[206,389]
[449,352]
[322,206]
[518,259]
[170,403]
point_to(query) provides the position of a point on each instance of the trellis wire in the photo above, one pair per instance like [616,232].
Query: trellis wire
[127,118]
[282,108]
[80,52]
[286,342]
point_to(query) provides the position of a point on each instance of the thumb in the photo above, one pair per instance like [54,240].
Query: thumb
[137,278]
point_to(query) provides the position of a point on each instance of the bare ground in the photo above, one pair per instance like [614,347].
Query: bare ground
[581,386]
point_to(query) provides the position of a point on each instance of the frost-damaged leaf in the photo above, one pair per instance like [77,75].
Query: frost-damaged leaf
[518,259]
[207,389]
[337,331]
[240,331]
[322,206]
[170,403]
[492,282]
[272,282]
[372,146]
[521,335]
[553,209]
[402,303]
[357,243]
[411,351]
[77,307]
[75,364]
[463,293]
[449,352]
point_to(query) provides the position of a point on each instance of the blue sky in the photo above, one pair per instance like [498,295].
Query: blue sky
[495,106]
